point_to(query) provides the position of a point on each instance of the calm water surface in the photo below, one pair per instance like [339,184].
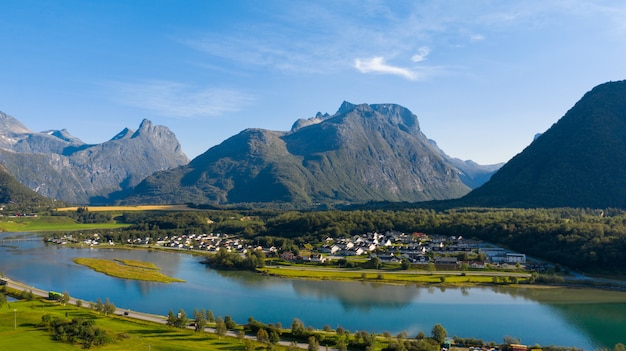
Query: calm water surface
[587,319]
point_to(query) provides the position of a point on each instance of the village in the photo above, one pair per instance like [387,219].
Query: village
[418,249]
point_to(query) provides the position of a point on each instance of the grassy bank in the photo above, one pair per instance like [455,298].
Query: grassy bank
[127,334]
[127,269]
[396,277]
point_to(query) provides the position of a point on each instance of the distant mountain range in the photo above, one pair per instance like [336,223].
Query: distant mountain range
[59,166]
[361,153]
[579,162]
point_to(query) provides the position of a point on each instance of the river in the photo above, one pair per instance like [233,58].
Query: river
[583,318]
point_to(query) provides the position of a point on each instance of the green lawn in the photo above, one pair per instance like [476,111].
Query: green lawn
[47,223]
[127,334]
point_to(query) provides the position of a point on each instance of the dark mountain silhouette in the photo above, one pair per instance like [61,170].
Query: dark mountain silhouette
[579,162]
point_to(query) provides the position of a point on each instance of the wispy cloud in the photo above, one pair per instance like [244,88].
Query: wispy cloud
[326,37]
[421,55]
[378,65]
[174,99]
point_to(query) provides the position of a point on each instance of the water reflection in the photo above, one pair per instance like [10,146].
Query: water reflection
[363,296]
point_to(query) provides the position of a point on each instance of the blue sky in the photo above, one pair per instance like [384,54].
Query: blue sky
[482,76]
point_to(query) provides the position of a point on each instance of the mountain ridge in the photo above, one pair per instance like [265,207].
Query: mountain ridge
[60,166]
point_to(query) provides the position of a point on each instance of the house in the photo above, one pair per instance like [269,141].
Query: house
[476,264]
[511,257]
[445,260]
[288,256]
[317,258]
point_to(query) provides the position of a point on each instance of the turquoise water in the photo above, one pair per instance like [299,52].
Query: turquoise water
[586,319]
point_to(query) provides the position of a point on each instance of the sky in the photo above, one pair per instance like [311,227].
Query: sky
[483,77]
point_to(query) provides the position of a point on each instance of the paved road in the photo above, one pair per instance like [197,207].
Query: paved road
[137,315]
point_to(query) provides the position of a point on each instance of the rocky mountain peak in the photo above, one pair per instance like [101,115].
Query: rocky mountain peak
[10,125]
[125,133]
[345,107]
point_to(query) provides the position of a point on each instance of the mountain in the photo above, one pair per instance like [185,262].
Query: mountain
[14,193]
[60,166]
[579,162]
[361,153]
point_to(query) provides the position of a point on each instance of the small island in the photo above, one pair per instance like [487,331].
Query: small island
[126,269]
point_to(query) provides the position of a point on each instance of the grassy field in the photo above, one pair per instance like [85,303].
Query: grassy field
[128,334]
[50,223]
[398,277]
[126,269]
[131,208]
[139,264]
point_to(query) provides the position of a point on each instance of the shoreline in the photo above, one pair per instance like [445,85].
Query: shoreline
[574,282]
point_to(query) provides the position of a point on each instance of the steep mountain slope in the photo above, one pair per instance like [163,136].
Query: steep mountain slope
[579,162]
[361,153]
[17,195]
[57,165]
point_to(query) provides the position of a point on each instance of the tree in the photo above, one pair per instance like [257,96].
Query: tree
[439,334]
[199,320]
[431,267]
[619,347]
[405,264]
[220,327]
[230,323]
[65,298]
[314,345]
[109,307]
[274,337]
[511,340]
[297,327]
[262,336]
[3,299]
[209,316]
[99,306]
[171,319]
[181,319]
[293,346]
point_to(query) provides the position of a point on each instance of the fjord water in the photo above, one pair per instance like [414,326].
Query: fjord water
[582,318]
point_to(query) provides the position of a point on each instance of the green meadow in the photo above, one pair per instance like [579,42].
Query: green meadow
[127,334]
[50,223]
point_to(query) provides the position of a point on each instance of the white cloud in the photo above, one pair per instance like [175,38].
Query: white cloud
[421,55]
[377,65]
[178,100]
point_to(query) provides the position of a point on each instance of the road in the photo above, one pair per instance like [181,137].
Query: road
[137,315]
